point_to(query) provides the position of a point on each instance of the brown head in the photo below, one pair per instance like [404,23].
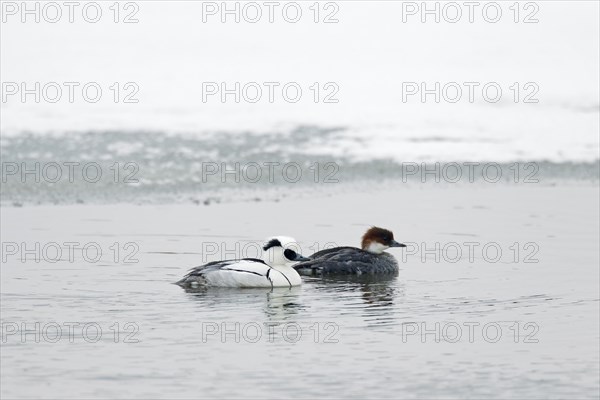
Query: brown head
[377,240]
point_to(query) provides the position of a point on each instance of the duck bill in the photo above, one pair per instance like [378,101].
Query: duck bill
[300,257]
[396,244]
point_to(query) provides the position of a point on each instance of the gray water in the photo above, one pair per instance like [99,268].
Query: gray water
[159,168]
[330,338]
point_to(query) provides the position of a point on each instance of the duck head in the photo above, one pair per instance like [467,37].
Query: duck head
[377,240]
[281,250]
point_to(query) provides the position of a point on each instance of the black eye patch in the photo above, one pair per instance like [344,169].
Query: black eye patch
[290,254]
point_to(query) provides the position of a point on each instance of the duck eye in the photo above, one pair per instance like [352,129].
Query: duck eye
[290,254]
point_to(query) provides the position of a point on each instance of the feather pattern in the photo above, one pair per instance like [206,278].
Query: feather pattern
[348,260]
[246,272]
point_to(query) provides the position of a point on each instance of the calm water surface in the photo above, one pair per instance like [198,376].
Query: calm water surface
[329,338]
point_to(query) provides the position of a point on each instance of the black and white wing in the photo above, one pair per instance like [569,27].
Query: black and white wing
[245,271]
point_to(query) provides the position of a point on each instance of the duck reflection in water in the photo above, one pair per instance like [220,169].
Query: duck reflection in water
[376,290]
[278,304]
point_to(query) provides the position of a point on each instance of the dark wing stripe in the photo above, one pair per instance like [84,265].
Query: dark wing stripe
[286,278]
[258,260]
[241,270]
[199,270]
[252,272]
[269,277]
